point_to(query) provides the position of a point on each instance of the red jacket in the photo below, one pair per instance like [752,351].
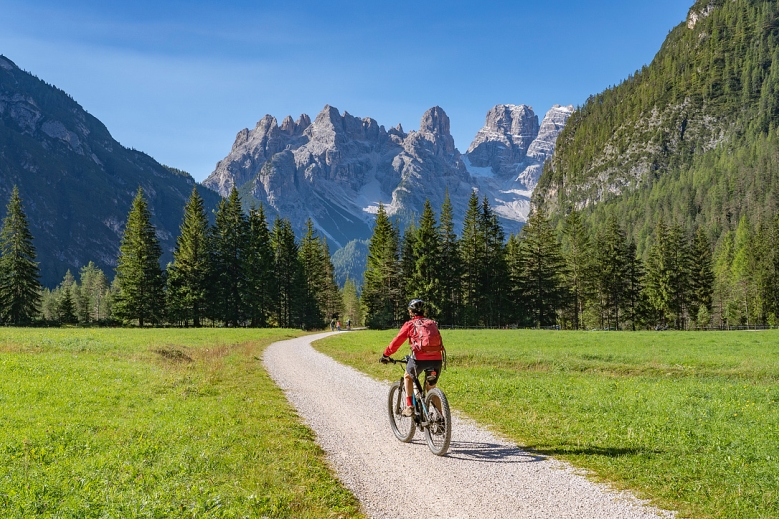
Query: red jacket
[405,333]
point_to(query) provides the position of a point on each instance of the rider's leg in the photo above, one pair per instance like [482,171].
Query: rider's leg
[409,383]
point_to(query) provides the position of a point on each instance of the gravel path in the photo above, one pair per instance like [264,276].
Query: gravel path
[481,477]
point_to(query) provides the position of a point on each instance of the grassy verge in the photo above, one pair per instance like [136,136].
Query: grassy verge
[689,420]
[154,423]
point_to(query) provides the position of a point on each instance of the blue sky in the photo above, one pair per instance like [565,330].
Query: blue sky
[178,79]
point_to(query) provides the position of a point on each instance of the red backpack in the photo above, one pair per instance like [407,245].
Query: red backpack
[425,337]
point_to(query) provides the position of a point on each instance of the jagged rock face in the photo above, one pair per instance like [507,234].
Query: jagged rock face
[338,168]
[507,155]
[505,138]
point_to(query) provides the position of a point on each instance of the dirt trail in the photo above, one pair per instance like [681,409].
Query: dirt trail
[481,477]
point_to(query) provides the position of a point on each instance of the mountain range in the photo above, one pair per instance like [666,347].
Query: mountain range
[337,168]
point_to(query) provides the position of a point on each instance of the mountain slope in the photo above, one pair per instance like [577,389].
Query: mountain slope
[651,146]
[76,182]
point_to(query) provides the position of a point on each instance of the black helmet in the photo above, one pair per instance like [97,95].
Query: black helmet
[417,307]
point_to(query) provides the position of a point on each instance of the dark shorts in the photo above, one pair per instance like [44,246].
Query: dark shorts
[433,367]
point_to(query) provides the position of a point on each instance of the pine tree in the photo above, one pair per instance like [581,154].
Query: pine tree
[428,266]
[611,266]
[288,275]
[321,298]
[189,273]
[743,270]
[635,301]
[658,287]
[382,289]
[471,247]
[229,244]
[702,275]
[541,277]
[579,263]
[451,268]
[494,274]
[66,307]
[408,262]
[20,290]
[259,271]
[141,295]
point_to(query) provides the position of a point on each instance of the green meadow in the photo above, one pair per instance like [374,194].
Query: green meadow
[689,420]
[116,423]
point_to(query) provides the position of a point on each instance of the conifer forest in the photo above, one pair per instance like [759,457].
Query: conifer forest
[243,271]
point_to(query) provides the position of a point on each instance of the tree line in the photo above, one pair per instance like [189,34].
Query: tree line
[540,278]
[241,271]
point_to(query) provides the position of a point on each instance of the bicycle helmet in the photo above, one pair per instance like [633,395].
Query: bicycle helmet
[417,307]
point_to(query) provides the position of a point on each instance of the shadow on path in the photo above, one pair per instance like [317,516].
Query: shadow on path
[491,453]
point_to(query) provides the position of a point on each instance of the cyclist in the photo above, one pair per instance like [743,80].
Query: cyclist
[426,350]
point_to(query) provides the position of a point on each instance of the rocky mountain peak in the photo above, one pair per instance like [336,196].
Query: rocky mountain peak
[435,121]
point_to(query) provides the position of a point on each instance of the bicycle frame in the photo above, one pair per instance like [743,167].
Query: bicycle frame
[431,412]
[421,421]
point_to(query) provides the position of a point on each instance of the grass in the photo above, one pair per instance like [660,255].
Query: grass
[151,424]
[689,420]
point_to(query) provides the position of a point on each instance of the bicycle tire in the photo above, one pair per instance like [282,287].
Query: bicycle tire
[438,432]
[403,427]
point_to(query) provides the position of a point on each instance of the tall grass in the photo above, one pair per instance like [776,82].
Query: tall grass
[689,420]
[154,423]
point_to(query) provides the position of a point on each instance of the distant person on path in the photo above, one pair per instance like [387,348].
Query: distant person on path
[427,350]
[332,325]
[348,324]
[338,326]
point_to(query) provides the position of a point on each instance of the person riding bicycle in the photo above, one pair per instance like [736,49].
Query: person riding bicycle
[426,350]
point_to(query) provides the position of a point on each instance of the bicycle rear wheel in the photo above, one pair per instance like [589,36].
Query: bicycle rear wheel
[403,426]
[438,432]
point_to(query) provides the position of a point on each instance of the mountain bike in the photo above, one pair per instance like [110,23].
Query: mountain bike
[431,413]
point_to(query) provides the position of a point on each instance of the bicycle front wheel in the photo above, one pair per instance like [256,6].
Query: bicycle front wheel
[439,422]
[403,426]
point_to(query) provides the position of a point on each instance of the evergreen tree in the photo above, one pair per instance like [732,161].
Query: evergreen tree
[635,301]
[230,244]
[451,268]
[408,262]
[611,264]
[702,275]
[541,277]
[288,275]
[320,293]
[494,273]
[141,295]
[471,247]
[743,271]
[679,275]
[382,289]
[189,273]
[726,312]
[427,272]
[518,310]
[259,271]
[66,307]
[579,265]
[658,277]
[20,290]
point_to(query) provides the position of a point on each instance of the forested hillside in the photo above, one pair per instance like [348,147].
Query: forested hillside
[690,140]
[692,136]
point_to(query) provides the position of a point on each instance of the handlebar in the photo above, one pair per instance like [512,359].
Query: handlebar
[404,360]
